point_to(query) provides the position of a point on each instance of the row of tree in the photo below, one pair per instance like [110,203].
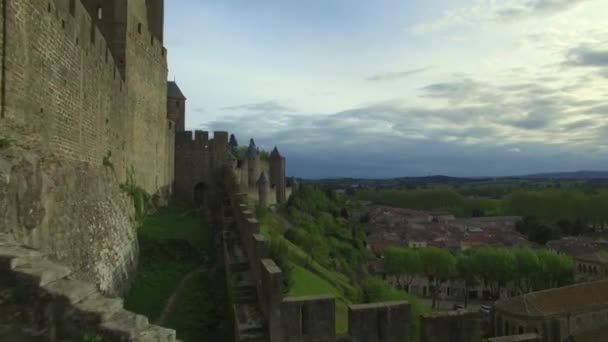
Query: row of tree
[524,269]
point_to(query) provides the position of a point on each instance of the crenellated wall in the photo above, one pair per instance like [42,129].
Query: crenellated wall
[42,302]
[83,106]
[302,319]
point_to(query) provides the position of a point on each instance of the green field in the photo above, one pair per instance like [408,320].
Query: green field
[173,242]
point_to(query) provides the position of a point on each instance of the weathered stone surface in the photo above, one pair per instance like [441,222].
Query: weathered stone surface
[517,338]
[460,325]
[39,302]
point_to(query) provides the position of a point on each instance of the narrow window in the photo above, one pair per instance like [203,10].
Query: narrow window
[139,28]
[48,7]
[177,104]
[99,13]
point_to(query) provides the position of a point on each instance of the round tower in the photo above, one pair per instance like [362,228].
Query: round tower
[252,164]
[262,185]
[277,174]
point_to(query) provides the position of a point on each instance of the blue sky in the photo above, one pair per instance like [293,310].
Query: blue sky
[399,88]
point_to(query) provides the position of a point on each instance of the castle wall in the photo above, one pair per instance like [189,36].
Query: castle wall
[146,80]
[191,163]
[77,124]
[65,90]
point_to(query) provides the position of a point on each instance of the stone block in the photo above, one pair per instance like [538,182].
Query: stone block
[456,326]
[517,338]
[310,318]
[155,333]
[379,322]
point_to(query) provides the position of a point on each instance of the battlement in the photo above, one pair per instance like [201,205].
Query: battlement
[58,307]
[199,138]
[460,325]
[301,319]
[78,26]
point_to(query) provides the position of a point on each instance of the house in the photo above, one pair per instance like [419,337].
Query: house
[559,314]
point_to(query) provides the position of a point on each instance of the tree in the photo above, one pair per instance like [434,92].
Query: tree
[467,271]
[528,269]
[557,269]
[438,266]
[495,267]
[403,263]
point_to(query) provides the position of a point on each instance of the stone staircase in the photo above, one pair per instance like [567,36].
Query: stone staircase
[41,302]
[249,320]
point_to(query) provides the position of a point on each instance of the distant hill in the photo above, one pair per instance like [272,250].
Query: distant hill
[442,179]
[567,175]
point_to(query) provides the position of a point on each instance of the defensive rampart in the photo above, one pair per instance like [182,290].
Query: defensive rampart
[299,319]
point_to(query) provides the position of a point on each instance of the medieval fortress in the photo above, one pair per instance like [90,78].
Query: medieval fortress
[85,108]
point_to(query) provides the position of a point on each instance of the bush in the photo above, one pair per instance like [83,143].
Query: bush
[279,254]
[141,199]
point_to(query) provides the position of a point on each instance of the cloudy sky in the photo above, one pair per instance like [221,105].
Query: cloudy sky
[390,88]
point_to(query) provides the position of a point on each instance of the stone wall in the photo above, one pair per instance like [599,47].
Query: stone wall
[146,80]
[379,322]
[517,338]
[309,319]
[78,120]
[72,211]
[40,301]
[452,326]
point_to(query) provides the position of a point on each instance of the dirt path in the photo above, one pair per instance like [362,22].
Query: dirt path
[177,293]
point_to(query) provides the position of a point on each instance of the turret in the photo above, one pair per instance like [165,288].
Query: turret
[262,185]
[252,164]
[277,174]
[176,106]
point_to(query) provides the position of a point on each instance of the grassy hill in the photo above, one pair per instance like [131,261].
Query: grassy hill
[312,275]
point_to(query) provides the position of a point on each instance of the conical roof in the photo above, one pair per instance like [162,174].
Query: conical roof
[252,151]
[173,91]
[275,154]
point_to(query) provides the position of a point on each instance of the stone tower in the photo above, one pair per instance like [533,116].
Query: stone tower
[262,185]
[176,106]
[277,174]
[252,164]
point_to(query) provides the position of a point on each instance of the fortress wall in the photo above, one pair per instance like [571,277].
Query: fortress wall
[65,110]
[65,90]
[191,163]
[309,319]
[41,302]
[379,322]
[146,80]
[461,325]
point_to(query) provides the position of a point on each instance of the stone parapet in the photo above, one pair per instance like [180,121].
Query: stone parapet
[40,300]
[517,338]
[459,325]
